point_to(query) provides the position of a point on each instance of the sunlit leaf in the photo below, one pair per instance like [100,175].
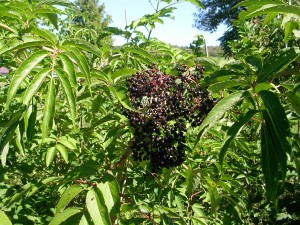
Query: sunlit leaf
[68,196]
[26,67]
[96,207]
[4,219]
[64,215]
[68,93]
[63,152]
[110,189]
[51,152]
[49,108]
[35,85]
[218,111]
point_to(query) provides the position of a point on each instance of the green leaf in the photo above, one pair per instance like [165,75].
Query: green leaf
[67,197]
[63,152]
[35,85]
[49,109]
[24,44]
[68,93]
[51,152]
[79,172]
[67,143]
[46,34]
[277,62]
[68,67]
[26,67]
[192,179]
[288,29]
[196,3]
[80,60]
[122,72]
[226,84]
[274,145]
[4,219]
[277,124]
[4,154]
[234,131]
[110,189]
[141,52]
[8,132]
[269,163]
[119,93]
[97,209]
[17,196]
[64,215]
[294,99]
[41,184]
[218,111]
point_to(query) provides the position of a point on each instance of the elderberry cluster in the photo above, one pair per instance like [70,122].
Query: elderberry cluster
[164,104]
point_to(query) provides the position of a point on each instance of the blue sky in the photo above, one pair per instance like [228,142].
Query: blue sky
[177,32]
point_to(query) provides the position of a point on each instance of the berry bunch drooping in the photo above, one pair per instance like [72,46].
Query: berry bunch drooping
[164,104]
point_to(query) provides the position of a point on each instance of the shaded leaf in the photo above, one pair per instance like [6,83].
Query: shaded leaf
[233,131]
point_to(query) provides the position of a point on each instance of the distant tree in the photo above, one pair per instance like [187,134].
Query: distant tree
[217,12]
[92,18]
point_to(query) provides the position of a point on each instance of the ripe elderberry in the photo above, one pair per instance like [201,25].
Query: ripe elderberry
[165,103]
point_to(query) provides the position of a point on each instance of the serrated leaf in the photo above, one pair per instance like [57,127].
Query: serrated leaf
[41,184]
[294,99]
[80,60]
[8,131]
[96,207]
[51,152]
[49,109]
[218,111]
[46,34]
[277,62]
[233,131]
[110,189]
[216,87]
[122,72]
[67,143]
[119,93]
[26,67]
[141,52]
[64,215]
[17,44]
[4,218]
[79,172]
[68,93]
[68,67]
[63,152]
[192,179]
[269,163]
[35,85]
[17,196]
[67,197]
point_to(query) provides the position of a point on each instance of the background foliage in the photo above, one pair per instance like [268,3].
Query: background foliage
[65,143]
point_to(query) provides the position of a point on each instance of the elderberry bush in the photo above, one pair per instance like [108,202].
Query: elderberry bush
[165,104]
